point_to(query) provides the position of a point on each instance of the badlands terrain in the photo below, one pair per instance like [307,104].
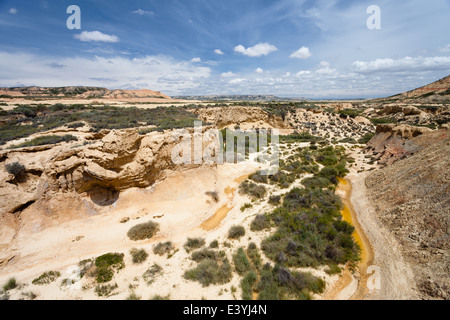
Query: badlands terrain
[92,205]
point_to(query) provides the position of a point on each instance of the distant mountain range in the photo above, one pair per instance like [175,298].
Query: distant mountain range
[79,93]
[238,98]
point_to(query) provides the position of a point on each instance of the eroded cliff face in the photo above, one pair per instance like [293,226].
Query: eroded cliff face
[411,198]
[120,160]
[221,117]
[394,142]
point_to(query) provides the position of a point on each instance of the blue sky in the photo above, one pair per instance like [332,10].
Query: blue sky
[314,49]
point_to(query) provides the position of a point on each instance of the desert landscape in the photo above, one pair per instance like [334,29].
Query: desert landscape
[92,205]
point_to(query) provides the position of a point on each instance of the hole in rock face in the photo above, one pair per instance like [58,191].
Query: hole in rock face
[103,196]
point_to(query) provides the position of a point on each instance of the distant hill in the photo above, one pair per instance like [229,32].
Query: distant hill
[238,98]
[78,92]
[438,91]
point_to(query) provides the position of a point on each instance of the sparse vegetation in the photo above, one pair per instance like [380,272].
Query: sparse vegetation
[138,255]
[46,278]
[105,290]
[162,248]
[210,271]
[150,275]
[255,191]
[194,243]
[44,140]
[236,232]
[143,231]
[107,264]
[10,284]
[241,262]
[247,284]
[15,168]
[260,222]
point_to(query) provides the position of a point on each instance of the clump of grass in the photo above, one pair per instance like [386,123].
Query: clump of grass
[247,284]
[10,284]
[150,275]
[46,278]
[260,222]
[105,290]
[138,255]
[159,297]
[210,271]
[214,244]
[134,296]
[333,269]
[194,243]
[241,262]
[203,254]
[107,264]
[246,206]
[254,255]
[255,191]
[44,140]
[17,169]
[162,248]
[236,232]
[143,231]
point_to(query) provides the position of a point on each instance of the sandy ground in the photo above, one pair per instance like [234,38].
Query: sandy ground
[396,277]
[183,209]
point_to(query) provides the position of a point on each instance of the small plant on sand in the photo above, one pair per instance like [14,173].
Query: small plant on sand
[10,284]
[150,275]
[143,231]
[236,232]
[162,248]
[138,255]
[105,290]
[107,264]
[241,262]
[46,278]
[194,243]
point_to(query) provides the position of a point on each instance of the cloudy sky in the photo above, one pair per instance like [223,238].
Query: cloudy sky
[314,49]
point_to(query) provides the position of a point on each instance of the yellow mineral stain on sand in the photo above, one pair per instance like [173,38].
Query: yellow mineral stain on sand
[230,191]
[348,214]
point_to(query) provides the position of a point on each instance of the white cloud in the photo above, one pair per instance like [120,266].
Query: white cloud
[259,70]
[237,81]
[219,52]
[445,49]
[161,73]
[197,59]
[406,64]
[142,12]
[302,53]
[303,73]
[97,36]
[13,10]
[228,74]
[261,49]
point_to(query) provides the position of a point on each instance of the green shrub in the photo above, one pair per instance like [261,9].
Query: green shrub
[333,269]
[254,256]
[150,275]
[236,232]
[143,231]
[107,264]
[241,262]
[260,222]
[203,254]
[138,255]
[105,290]
[134,296]
[275,199]
[194,243]
[209,272]
[45,140]
[46,278]
[246,206]
[17,169]
[159,297]
[214,244]
[255,191]
[10,284]
[247,284]
[163,248]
